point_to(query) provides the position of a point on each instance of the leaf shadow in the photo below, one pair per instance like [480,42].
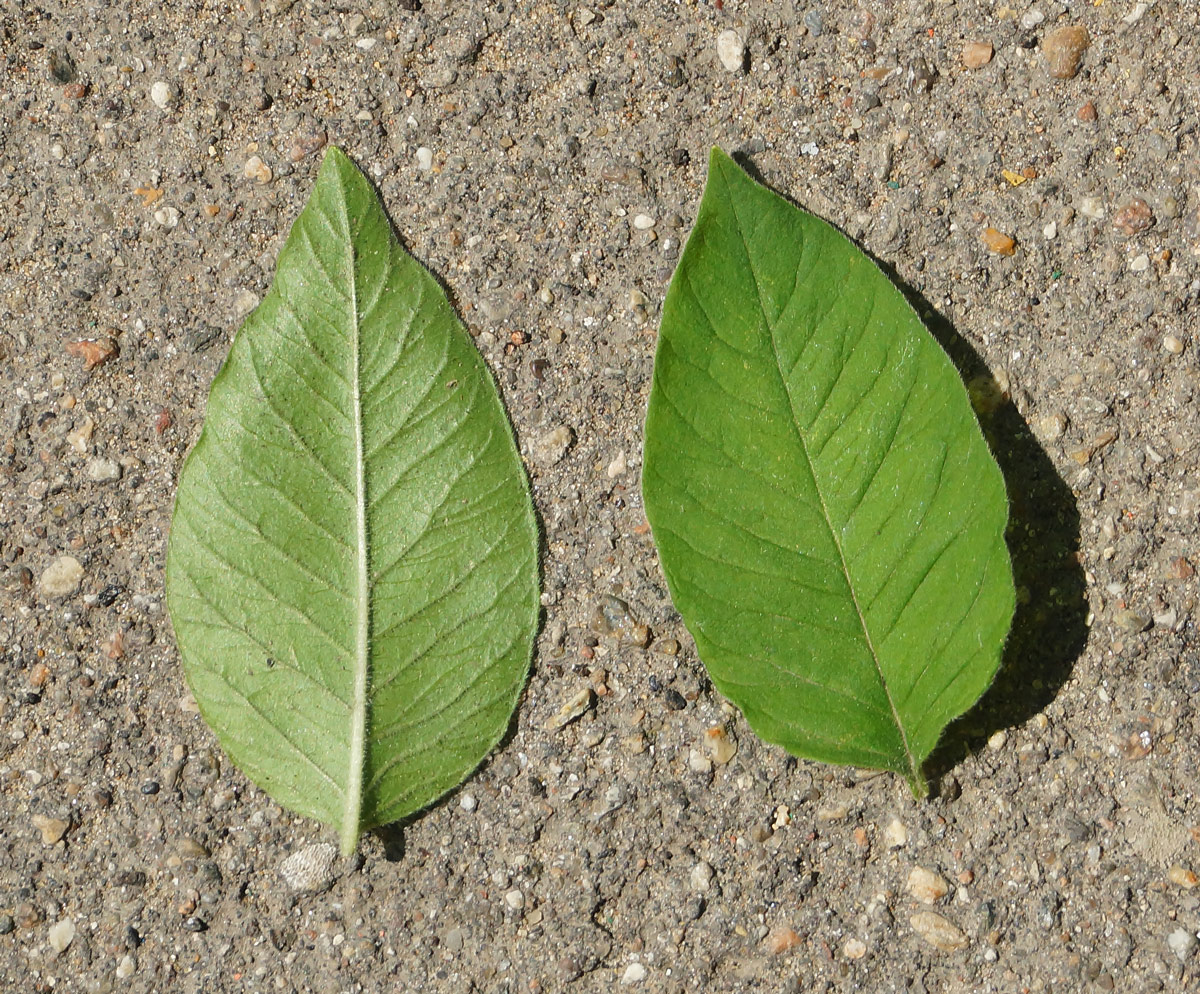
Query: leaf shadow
[1049,628]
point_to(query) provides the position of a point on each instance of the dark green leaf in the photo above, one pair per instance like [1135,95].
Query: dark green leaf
[827,513]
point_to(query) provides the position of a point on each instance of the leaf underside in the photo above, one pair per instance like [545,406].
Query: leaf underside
[827,513]
[352,569]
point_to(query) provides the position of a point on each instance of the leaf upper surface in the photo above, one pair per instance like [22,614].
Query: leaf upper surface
[827,513]
[352,567]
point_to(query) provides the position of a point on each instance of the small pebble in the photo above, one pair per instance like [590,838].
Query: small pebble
[7,924]
[976,54]
[1182,877]
[550,448]
[1135,217]
[424,159]
[62,577]
[618,466]
[467,802]
[101,470]
[720,745]
[1086,113]
[126,968]
[1139,263]
[52,829]
[643,222]
[635,973]
[1181,942]
[162,95]
[1050,232]
[93,351]
[731,50]
[1063,50]
[927,886]
[256,169]
[998,242]
[814,20]
[310,869]
[997,740]
[61,934]
[1172,344]
[701,877]
[1092,207]
[515,899]
[895,835]
[939,932]
[571,709]
[854,949]
[781,939]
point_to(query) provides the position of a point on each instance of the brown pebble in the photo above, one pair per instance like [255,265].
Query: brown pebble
[38,675]
[998,242]
[976,54]
[1135,217]
[1086,113]
[1063,50]
[781,939]
[1180,569]
[75,91]
[93,351]
[1182,877]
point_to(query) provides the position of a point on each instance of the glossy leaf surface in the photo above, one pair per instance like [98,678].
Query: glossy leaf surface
[827,513]
[352,568]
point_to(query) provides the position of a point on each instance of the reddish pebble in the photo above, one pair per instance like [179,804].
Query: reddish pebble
[1086,113]
[1181,569]
[782,939]
[75,91]
[164,421]
[93,351]
[1135,217]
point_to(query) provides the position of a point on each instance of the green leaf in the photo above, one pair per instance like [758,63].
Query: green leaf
[829,518]
[352,570]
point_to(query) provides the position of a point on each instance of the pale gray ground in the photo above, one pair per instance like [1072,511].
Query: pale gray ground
[1066,818]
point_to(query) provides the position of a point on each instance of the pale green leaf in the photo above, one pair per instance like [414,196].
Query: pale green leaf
[827,513]
[352,570]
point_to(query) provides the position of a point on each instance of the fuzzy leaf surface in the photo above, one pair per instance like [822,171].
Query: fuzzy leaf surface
[352,567]
[827,513]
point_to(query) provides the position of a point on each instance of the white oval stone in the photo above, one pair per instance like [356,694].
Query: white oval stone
[731,50]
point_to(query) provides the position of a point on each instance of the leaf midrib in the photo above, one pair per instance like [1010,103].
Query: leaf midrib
[352,817]
[914,771]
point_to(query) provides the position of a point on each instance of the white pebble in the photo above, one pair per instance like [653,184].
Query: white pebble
[927,886]
[168,217]
[701,877]
[62,577]
[1180,942]
[467,802]
[895,834]
[618,466]
[998,740]
[126,967]
[1050,231]
[1092,207]
[854,949]
[515,899]
[162,95]
[1140,263]
[60,935]
[635,973]
[310,869]
[101,470]
[1172,344]
[643,222]
[731,50]
[424,159]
